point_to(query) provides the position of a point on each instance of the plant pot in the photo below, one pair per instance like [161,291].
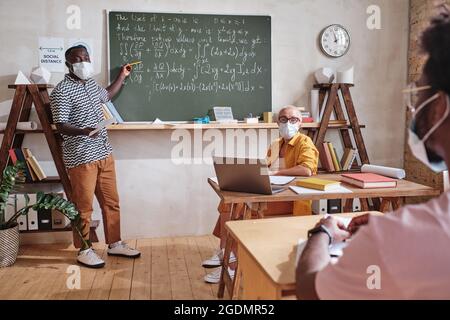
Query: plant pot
[9,246]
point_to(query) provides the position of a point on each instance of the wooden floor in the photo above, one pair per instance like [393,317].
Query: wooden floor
[169,268]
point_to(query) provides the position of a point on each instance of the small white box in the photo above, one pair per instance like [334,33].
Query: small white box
[251,120]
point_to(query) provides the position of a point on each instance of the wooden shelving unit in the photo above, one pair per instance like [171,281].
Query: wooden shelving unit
[25,96]
[333,104]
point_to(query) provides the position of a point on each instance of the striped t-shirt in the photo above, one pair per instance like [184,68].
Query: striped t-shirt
[79,104]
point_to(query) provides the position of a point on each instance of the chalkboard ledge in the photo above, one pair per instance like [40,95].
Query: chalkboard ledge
[241,125]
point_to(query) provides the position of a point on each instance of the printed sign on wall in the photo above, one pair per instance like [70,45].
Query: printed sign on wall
[51,54]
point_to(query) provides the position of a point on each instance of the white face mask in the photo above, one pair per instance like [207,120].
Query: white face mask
[83,70]
[288,130]
[418,146]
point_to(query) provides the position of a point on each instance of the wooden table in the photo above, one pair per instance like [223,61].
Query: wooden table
[267,250]
[258,203]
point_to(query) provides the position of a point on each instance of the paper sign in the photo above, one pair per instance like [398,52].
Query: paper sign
[51,54]
[101,125]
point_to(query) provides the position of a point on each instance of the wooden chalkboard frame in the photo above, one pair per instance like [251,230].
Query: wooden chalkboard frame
[107,11]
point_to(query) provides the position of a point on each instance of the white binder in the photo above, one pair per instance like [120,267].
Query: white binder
[32,215]
[22,220]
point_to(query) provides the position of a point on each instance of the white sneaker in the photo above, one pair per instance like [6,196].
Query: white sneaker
[216,260]
[121,249]
[90,259]
[214,277]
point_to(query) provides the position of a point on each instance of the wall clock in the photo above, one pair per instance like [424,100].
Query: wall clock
[335,41]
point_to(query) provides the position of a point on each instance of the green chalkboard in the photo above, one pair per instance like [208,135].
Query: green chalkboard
[191,63]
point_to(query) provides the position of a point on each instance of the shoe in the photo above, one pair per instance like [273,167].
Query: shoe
[121,249]
[216,260]
[214,277]
[90,259]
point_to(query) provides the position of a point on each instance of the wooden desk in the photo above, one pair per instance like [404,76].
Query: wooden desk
[266,253]
[257,203]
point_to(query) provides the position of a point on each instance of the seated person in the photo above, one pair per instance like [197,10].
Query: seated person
[294,154]
[402,255]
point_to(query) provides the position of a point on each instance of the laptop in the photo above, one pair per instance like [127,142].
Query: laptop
[244,175]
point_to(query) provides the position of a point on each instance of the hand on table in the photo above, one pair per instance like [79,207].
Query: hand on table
[357,222]
[337,229]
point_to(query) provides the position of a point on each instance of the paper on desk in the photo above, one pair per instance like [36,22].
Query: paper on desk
[344,220]
[101,125]
[335,250]
[281,180]
[301,190]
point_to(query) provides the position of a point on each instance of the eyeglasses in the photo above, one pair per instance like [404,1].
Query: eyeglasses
[411,95]
[292,120]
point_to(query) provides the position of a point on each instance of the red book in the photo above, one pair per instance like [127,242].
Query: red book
[12,155]
[325,158]
[369,180]
[307,120]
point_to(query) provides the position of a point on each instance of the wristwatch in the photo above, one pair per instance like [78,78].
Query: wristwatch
[318,229]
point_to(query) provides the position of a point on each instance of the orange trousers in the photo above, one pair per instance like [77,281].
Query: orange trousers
[97,178]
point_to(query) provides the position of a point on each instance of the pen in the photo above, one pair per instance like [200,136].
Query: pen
[133,63]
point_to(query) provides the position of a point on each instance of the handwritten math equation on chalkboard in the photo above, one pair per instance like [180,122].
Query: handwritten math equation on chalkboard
[193,59]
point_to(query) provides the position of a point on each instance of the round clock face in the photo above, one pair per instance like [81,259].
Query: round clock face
[335,41]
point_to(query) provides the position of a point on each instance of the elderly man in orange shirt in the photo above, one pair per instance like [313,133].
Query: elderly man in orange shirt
[294,154]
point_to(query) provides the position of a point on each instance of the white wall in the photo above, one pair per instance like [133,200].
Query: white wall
[160,198]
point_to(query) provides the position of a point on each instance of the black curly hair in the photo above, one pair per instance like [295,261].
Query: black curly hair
[69,51]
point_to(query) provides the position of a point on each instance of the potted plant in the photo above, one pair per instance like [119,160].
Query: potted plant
[9,229]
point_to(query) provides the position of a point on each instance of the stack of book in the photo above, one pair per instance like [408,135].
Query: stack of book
[369,180]
[33,170]
[330,161]
[306,117]
[110,112]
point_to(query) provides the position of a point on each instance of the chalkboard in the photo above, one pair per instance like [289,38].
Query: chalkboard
[191,63]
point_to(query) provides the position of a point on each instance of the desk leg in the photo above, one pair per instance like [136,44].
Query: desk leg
[395,203]
[364,204]
[237,211]
[387,202]
[384,207]
[348,206]
[236,282]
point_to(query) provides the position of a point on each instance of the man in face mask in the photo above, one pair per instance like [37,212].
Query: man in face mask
[404,254]
[76,109]
[294,154]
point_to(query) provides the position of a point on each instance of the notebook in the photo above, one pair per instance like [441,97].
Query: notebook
[369,180]
[318,184]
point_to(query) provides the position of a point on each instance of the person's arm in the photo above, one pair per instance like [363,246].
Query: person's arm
[294,171]
[316,257]
[306,164]
[70,130]
[117,84]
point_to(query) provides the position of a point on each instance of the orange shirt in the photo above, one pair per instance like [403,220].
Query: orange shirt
[300,151]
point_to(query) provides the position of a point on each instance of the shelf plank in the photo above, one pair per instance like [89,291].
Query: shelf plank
[192,126]
[40,86]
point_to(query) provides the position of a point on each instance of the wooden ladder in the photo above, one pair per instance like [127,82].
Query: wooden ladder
[333,104]
[25,96]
